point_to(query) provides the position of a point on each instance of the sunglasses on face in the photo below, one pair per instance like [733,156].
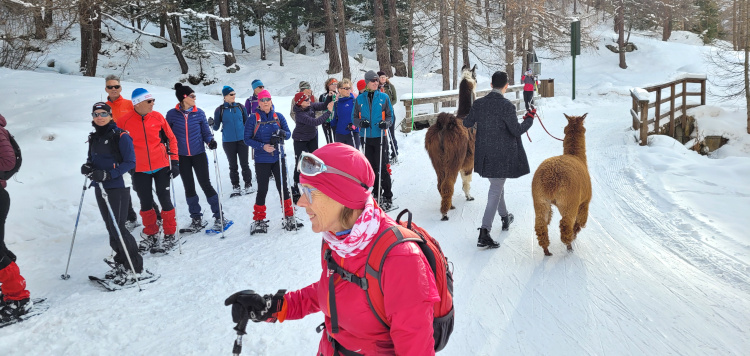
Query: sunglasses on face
[307,191]
[262,87]
[231,94]
[113,87]
[347,88]
[151,101]
[374,80]
[191,96]
[102,114]
[264,100]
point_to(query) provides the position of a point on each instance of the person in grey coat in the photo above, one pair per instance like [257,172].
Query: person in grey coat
[499,152]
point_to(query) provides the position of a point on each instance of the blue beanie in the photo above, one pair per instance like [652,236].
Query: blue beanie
[140,95]
[257,83]
[226,90]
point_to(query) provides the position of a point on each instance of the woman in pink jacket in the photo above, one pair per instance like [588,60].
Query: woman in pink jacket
[335,185]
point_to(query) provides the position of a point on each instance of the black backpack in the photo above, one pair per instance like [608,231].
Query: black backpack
[6,175]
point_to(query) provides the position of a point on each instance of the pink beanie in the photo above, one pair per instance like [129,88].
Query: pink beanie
[264,94]
[340,188]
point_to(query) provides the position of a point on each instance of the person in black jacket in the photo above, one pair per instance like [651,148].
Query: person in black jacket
[305,134]
[499,152]
[330,94]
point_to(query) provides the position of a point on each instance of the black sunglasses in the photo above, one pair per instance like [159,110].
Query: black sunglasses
[231,94]
[113,87]
[102,114]
[374,80]
[345,88]
[264,100]
[150,101]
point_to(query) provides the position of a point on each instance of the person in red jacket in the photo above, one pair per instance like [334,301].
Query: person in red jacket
[336,182]
[14,297]
[153,166]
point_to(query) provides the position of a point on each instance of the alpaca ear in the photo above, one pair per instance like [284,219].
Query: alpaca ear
[567,117]
[473,69]
[583,117]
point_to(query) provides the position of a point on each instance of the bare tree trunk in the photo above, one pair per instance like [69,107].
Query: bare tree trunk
[241,25]
[212,21]
[89,19]
[281,48]
[381,45]
[444,46]
[48,4]
[486,19]
[575,7]
[734,25]
[162,27]
[454,39]
[745,39]
[509,35]
[176,30]
[396,57]
[411,39]
[262,34]
[39,24]
[465,33]
[226,33]
[621,33]
[347,73]
[667,31]
[172,31]
[334,64]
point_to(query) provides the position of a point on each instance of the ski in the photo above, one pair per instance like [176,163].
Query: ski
[40,306]
[111,287]
[215,231]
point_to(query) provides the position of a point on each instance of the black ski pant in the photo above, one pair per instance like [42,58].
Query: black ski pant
[142,185]
[263,172]
[392,133]
[199,164]
[299,147]
[373,147]
[6,257]
[132,216]
[528,98]
[118,200]
[235,150]
[351,139]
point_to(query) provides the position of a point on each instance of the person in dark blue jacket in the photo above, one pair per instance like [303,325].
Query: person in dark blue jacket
[374,114]
[305,134]
[111,155]
[233,116]
[265,131]
[345,131]
[191,129]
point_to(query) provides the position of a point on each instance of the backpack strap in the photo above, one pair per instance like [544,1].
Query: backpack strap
[258,123]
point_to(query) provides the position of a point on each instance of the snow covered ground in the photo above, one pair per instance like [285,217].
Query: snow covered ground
[663,266]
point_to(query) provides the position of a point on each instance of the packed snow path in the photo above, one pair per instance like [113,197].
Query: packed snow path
[644,278]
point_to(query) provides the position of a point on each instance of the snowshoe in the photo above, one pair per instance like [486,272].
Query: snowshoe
[290,223]
[167,244]
[197,225]
[114,272]
[30,308]
[249,189]
[236,191]
[259,227]
[217,228]
[132,224]
[147,243]
[387,205]
[125,281]
[485,240]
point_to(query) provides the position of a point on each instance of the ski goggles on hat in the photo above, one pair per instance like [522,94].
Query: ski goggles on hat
[310,165]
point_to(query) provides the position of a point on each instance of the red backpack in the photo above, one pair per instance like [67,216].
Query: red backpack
[405,231]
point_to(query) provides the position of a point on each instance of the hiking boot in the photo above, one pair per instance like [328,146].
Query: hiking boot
[290,223]
[507,221]
[14,309]
[218,226]
[114,272]
[485,240]
[168,243]
[132,224]
[249,188]
[148,242]
[236,191]
[259,227]
[197,224]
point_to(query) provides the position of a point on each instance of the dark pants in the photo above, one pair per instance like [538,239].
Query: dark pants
[142,185]
[299,147]
[263,172]
[235,150]
[6,257]
[118,200]
[132,216]
[372,152]
[328,133]
[528,98]
[199,164]
[351,139]
[392,133]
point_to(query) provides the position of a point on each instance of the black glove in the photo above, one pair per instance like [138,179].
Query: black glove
[383,124]
[327,125]
[278,137]
[250,305]
[350,127]
[210,121]
[212,145]
[175,171]
[364,124]
[100,175]
[87,168]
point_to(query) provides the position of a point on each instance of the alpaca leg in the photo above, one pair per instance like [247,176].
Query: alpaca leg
[566,225]
[446,194]
[466,185]
[581,218]
[543,212]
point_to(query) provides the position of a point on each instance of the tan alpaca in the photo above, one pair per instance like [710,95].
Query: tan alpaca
[563,181]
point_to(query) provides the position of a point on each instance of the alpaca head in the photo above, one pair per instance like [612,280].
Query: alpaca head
[575,138]
[445,121]
[469,73]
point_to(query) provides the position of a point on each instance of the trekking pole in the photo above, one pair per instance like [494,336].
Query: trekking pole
[237,349]
[218,180]
[66,276]
[393,145]
[380,169]
[117,229]
[282,184]
[174,199]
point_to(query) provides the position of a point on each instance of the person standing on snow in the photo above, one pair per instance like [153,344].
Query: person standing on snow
[499,152]
[304,88]
[190,127]
[331,91]
[374,114]
[389,89]
[305,133]
[251,104]
[264,132]
[341,123]
[15,299]
[153,167]
[110,157]
[336,182]
[529,86]
[233,116]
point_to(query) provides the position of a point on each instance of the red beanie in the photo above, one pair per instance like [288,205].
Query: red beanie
[361,85]
[300,97]
[340,188]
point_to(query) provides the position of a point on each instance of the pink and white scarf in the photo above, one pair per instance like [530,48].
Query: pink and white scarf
[364,230]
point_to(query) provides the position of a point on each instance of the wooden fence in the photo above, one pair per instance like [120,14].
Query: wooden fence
[452,96]
[642,104]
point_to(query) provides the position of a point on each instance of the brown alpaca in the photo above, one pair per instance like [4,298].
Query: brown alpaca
[563,181]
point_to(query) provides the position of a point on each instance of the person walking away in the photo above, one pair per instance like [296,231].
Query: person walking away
[529,86]
[341,123]
[389,89]
[499,152]
[154,165]
[110,157]
[331,91]
[191,130]
[336,180]
[304,88]
[374,114]
[305,134]
[264,132]
[233,116]
[15,299]
[252,102]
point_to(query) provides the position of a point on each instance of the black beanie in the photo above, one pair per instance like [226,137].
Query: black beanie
[102,106]
[181,91]
[499,79]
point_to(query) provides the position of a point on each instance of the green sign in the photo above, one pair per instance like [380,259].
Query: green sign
[575,38]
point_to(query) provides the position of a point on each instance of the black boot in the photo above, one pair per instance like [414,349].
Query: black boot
[507,221]
[485,240]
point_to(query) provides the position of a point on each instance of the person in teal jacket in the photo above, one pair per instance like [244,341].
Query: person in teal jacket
[233,116]
[373,114]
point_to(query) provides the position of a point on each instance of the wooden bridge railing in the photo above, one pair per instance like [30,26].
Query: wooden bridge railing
[642,104]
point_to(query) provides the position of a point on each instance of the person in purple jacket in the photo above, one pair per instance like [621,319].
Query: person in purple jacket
[251,104]
[305,134]
[190,127]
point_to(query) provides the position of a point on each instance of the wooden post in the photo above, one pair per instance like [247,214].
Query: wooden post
[644,121]
[657,108]
[437,107]
[703,92]
[406,124]
[671,112]
[684,105]
[635,108]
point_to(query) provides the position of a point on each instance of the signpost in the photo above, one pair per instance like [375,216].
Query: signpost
[575,48]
